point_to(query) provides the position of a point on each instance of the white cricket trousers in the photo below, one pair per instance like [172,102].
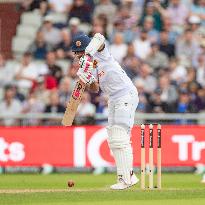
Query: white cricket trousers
[122,111]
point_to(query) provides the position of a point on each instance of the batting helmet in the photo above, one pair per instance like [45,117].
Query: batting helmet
[80,43]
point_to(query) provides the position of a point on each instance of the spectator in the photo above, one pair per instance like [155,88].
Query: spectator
[31,5]
[187,48]
[157,59]
[60,6]
[193,88]
[142,45]
[32,105]
[130,54]
[107,8]
[64,91]
[200,71]
[51,34]
[178,14]
[54,107]
[191,75]
[39,47]
[102,21]
[156,105]
[6,72]
[9,106]
[74,24]
[72,73]
[120,27]
[81,10]
[178,72]
[184,104]
[198,9]
[152,9]
[118,49]
[165,44]
[132,66]
[196,27]
[131,62]
[63,49]
[167,27]
[153,34]
[143,97]
[98,27]
[41,92]
[26,73]
[145,76]
[126,16]
[86,110]
[135,8]
[199,102]
[54,70]
[168,92]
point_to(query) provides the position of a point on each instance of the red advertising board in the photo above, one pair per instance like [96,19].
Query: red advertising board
[87,146]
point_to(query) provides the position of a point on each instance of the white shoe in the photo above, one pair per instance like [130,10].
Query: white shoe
[134,179]
[122,185]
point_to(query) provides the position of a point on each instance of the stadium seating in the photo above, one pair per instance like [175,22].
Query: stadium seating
[20,45]
[26,31]
[31,18]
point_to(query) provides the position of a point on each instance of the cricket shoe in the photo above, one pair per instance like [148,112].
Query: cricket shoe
[203,179]
[120,185]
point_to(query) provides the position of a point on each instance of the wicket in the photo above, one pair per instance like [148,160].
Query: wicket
[151,156]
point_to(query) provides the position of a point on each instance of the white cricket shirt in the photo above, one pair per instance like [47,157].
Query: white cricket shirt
[112,78]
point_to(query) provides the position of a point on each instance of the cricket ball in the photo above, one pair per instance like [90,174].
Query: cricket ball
[71,183]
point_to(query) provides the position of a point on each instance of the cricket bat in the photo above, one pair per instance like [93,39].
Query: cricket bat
[73,103]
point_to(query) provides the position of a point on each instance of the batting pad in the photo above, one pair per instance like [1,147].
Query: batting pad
[119,143]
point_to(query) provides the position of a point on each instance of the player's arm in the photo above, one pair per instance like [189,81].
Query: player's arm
[96,44]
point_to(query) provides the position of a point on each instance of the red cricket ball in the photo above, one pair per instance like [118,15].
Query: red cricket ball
[71,183]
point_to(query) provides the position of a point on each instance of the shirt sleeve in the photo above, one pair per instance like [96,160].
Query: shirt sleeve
[104,54]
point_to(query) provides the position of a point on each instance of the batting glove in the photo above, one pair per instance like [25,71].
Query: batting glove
[86,78]
[86,65]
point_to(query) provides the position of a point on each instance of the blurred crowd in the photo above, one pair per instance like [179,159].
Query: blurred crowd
[160,44]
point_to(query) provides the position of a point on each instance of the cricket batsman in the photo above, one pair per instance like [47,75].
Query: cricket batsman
[109,76]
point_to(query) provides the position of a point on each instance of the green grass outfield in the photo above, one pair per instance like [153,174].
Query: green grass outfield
[26,189]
